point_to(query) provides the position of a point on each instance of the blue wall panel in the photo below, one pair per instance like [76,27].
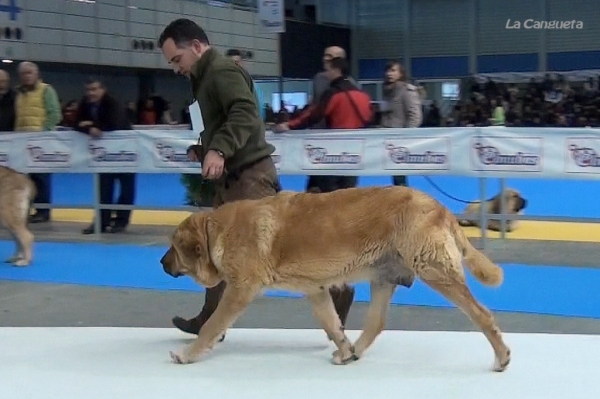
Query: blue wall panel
[507,63]
[440,67]
[372,69]
[573,60]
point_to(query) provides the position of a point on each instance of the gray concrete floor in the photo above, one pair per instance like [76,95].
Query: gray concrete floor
[26,304]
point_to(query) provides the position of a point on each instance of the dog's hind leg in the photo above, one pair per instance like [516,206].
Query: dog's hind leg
[18,250]
[324,312]
[15,219]
[5,219]
[453,287]
[230,307]
[25,239]
[381,295]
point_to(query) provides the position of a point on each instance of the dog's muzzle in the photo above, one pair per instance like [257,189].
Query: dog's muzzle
[166,269]
[523,203]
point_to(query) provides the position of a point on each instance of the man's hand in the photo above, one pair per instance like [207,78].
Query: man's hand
[281,127]
[95,132]
[213,165]
[83,124]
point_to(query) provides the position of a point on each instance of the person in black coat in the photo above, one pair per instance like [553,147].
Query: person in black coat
[99,112]
[7,103]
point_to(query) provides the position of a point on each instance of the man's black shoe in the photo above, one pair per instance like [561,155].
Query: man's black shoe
[90,230]
[38,218]
[191,326]
[118,229]
[188,326]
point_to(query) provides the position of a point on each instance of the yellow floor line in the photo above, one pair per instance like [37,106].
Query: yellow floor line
[552,231]
[528,230]
[160,218]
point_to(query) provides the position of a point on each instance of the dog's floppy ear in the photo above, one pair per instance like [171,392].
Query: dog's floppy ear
[495,205]
[513,201]
[206,272]
[198,229]
[185,238]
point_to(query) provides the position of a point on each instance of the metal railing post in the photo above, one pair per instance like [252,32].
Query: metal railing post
[503,222]
[97,213]
[482,212]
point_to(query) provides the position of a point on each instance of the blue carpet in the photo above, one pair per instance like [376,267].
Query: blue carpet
[576,198]
[561,291]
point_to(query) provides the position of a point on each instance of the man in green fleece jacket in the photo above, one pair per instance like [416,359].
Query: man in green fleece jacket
[234,152]
[37,109]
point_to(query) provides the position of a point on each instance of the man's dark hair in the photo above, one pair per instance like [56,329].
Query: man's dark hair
[183,31]
[341,64]
[233,52]
[94,79]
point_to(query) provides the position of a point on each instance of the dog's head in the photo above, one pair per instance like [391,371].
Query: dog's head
[189,254]
[513,202]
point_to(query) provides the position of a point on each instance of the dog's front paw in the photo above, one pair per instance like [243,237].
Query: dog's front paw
[501,363]
[181,358]
[344,356]
[20,263]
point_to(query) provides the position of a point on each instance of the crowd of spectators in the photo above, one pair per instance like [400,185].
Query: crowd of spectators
[550,102]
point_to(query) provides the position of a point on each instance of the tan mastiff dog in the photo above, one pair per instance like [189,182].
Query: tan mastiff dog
[308,242]
[514,204]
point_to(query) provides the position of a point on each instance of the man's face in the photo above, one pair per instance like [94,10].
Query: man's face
[94,92]
[184,57]
[28,76]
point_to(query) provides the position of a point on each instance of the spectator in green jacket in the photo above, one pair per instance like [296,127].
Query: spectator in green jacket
[498,117]
[37,109]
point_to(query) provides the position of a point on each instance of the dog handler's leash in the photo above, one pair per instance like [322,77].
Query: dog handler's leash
[445,193]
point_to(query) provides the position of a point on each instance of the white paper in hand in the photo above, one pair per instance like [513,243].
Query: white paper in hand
[196,116]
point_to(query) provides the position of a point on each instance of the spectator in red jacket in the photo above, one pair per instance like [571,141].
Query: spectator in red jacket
[343,105]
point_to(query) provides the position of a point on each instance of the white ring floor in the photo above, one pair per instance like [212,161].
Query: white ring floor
[130,363]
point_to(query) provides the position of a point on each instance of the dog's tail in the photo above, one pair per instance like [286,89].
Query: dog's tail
[484,270]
